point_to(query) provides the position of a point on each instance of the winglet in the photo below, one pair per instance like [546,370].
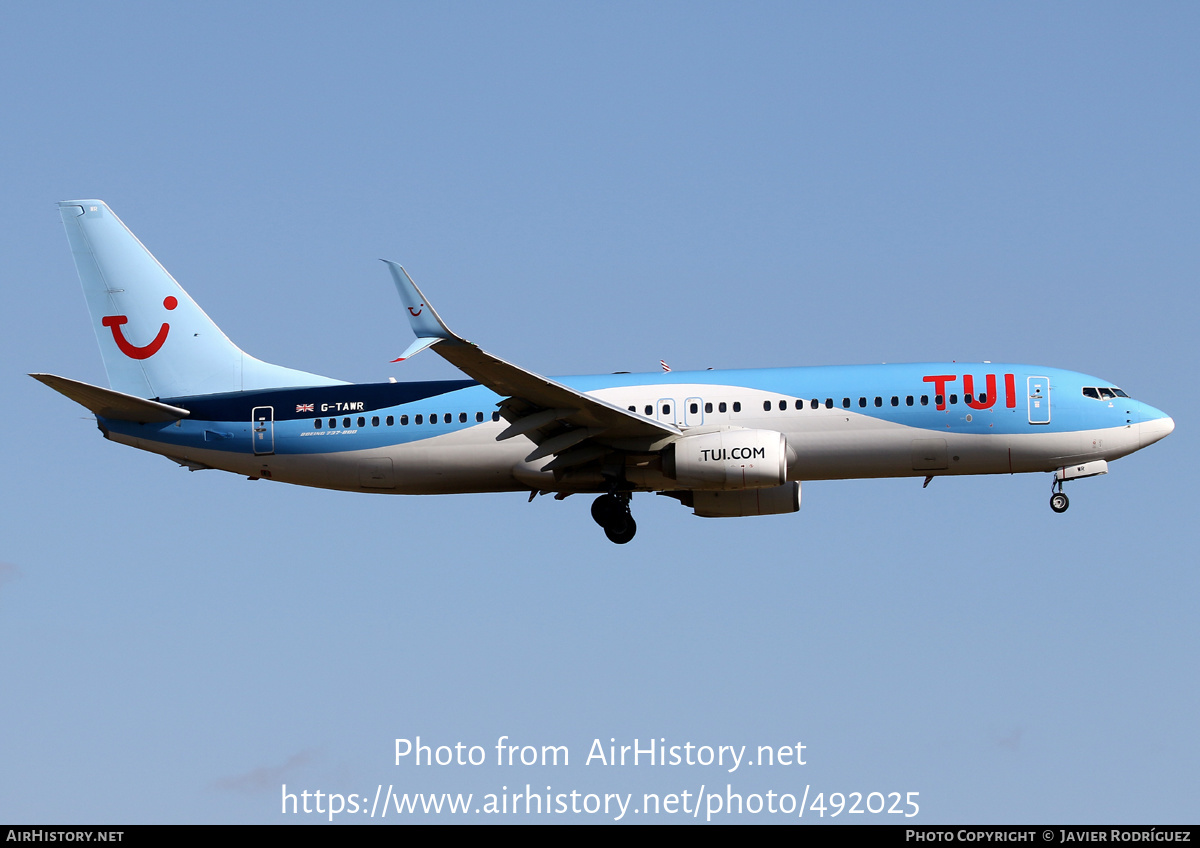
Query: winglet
[534,395]
[427,325]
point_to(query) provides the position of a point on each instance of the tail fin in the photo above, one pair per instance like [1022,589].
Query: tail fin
[155,340]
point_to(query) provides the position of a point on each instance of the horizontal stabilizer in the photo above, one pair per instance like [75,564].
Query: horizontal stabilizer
[109,404]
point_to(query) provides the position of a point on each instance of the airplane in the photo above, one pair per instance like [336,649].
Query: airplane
[723,443]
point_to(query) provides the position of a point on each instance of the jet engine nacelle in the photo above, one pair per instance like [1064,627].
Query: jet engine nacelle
[729,459]
[777,500]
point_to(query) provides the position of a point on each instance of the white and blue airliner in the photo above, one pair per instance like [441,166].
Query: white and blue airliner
[723,443]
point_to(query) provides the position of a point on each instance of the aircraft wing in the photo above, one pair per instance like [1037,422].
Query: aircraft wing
[560,420]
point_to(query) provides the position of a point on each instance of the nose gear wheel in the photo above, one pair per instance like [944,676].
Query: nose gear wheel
[1058,501]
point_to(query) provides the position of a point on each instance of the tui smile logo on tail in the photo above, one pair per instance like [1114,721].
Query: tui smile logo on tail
[114,322]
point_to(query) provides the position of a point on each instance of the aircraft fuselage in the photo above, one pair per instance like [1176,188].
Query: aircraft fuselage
[840,422]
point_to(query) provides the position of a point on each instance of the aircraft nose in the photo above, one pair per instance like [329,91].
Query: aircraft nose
[1156,425]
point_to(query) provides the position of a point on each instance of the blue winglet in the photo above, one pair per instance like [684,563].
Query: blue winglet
[427,325]
[425,321]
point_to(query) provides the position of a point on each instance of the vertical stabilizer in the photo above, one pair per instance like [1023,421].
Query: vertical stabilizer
[155,340]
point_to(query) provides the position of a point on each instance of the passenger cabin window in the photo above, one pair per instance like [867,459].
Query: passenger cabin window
[815,403]
[940,400]
[783,405]
[895,401]
[829,403]
[391,420]
[953,399]
[737,406]
[862,403]
[878,401]
[332,423]
[649,409]
[362,422]
[766,406]
[317,424]
[721,407]
[495,416]
[374,420]
[345,422]
[694,408]
[462,418]
[924,400]
[845,403]
[666,409]
[908,401]
[708,407]
[420,419]
[478,417]
[403,420]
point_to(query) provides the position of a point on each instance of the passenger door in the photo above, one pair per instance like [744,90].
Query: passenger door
[1039,400]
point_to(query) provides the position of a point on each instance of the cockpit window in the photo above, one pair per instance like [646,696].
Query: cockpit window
[1103,392]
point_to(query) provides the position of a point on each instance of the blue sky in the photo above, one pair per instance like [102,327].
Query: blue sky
[583,189]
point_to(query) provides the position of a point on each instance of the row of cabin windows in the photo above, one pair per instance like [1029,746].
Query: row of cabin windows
[390,421]
[815,403]
[694,408]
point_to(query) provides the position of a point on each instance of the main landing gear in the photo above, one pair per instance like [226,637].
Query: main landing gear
[1058,501]
[612,513]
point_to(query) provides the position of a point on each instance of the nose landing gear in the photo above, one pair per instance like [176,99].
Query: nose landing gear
[612,513]
[1058,501]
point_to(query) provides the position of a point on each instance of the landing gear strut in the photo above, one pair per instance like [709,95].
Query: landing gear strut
[1058,501]
[612,513]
